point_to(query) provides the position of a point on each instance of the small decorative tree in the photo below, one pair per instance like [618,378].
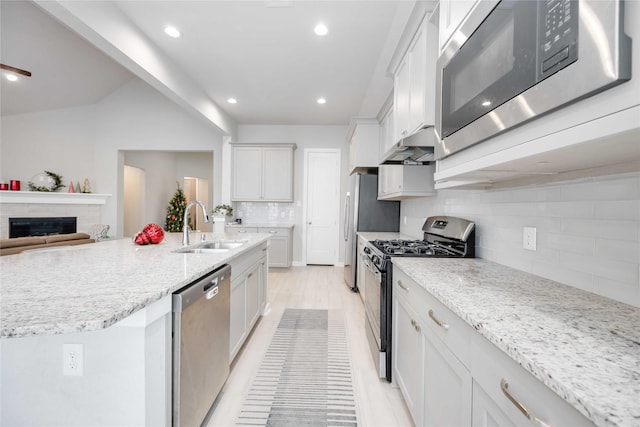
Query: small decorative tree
[175,211]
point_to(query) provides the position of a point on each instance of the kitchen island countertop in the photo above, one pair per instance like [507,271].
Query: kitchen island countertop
[583,346]
[90,287]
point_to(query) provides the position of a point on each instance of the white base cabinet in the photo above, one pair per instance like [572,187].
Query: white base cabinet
[248,296]
[491,367]
[450,375]
[436,385]
[280,246]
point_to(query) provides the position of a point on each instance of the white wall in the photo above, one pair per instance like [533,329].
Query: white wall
[86,142]
[588,230]
[59,141]
[304,137]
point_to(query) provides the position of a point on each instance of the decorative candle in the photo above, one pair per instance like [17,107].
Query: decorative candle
[4,186]
[15,185]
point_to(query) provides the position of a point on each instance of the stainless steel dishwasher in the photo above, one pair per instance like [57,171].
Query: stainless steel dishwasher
[200,345]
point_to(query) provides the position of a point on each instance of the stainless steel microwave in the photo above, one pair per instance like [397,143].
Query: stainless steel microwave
[512,61]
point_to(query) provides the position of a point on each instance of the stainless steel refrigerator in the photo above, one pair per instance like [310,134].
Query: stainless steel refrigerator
[364,212]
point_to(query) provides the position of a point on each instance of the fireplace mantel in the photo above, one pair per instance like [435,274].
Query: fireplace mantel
[43,197]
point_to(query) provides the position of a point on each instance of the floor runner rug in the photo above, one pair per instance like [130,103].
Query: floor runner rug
[305,377]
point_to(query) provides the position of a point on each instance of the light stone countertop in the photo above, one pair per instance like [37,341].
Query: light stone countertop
[89,287]
[583,346]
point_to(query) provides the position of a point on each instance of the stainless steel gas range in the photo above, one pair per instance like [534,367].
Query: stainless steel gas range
[444,237]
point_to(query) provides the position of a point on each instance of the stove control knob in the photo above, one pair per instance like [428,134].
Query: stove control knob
[367,251]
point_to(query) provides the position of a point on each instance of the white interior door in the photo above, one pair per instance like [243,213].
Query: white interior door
[322,169]
[134,200]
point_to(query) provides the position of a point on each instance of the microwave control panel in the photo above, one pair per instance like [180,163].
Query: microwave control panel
[557,35]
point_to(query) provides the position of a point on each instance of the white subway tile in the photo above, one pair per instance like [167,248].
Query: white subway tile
[628,251]
[616,230]
[608,189]
[623,292]
[567,243]
[618,210]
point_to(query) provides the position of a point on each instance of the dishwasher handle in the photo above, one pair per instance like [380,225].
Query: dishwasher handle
[204,287]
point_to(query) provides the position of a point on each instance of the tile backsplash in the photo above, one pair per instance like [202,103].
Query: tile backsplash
[588,230]
[265,212]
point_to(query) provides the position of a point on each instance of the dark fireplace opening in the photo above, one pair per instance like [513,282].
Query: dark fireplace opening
[22,227]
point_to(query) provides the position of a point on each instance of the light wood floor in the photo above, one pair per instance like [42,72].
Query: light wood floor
[378,402]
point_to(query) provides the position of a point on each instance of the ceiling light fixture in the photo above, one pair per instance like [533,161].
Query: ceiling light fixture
[321,29]
[321,101]
[486,103]
[12,77]
[232,101]
[172,31]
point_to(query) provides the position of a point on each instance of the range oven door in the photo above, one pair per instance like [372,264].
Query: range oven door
[512,61]
[375,284]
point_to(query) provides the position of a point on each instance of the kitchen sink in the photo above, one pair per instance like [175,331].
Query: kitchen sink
[216,247]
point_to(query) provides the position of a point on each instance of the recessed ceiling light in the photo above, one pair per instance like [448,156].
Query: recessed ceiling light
[321,101]
[12,77]
[232,101]
[172,31]
[486,103]
[321,29]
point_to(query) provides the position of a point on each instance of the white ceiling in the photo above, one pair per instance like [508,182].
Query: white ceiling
[66,70]
[268,58]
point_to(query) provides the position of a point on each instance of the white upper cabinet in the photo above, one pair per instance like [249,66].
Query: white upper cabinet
[262,173]
[452,14]
[402,101]
[363,134]
[414,83]
[387,137]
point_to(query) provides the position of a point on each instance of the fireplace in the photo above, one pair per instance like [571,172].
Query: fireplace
[21,227]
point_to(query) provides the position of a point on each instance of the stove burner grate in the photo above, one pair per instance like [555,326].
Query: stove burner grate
[418,248]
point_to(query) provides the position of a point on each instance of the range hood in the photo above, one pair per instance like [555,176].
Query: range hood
[416,148]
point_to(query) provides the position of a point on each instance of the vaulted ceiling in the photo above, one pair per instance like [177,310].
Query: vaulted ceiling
[262,53]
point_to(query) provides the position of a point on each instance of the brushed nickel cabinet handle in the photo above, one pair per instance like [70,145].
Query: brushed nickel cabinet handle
[406,288]
[439,322]
[504,385]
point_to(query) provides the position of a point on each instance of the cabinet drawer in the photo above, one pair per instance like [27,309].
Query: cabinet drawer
[490,366]
[454,332]
[239,229]
[277,231]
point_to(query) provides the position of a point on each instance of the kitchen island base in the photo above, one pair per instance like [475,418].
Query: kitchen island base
[126,378]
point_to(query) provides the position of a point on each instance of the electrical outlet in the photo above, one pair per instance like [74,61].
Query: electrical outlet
[72,360]
[529,238]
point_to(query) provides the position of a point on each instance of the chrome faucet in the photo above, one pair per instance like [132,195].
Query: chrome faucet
[185,227]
